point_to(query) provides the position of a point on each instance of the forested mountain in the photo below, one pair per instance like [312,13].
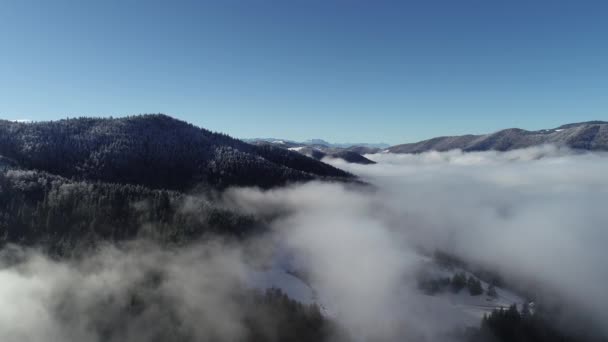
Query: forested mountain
[318,152]
[83,181]
[591,135]
[352,157]
[70,187]
[156,151]
[346,155]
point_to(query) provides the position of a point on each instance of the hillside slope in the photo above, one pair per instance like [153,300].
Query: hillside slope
[156,151]
[346,155]
[591,135]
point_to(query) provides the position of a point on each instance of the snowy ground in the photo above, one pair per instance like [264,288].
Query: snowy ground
[474,307]
[468,309]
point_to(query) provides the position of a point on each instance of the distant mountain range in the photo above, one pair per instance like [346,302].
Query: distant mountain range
[160,152]
[84,180]
[590,135]
[316,142]
[317,150]
[346,154]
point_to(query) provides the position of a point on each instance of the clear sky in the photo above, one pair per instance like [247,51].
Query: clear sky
[345,71]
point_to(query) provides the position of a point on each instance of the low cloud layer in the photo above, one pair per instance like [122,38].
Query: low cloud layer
[537,216]
[137,292]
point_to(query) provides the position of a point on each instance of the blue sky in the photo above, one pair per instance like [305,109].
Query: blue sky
[392,71]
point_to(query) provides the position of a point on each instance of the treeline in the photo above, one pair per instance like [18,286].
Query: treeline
[156,151]
[37,208]
[455,284]
[146,313]
[289,320]
[265,316]
[513,325]
[451,262]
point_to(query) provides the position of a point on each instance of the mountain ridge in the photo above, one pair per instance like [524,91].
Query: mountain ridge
[154,150]
[589,135]
[316,142]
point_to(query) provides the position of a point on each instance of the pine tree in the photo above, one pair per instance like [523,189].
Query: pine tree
[459,281]
[474,286]
[491,291]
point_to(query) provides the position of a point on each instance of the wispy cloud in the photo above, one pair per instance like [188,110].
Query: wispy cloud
[534,215]
[537,216]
